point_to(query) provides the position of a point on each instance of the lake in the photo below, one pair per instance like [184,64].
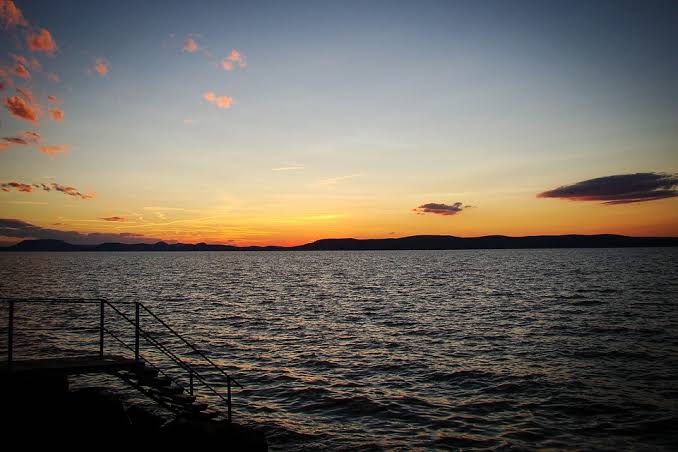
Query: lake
[477,349]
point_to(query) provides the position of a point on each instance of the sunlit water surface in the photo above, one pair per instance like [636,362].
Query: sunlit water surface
[567,349]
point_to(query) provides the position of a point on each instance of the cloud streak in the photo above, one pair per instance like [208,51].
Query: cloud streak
[28,188]
[116,219]
[619,189]
[440,209]
[54,149]
[20,229]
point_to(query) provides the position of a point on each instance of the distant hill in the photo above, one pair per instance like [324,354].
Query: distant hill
[416,242]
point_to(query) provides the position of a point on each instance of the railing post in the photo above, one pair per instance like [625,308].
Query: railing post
[228,399]
[101,329]
[10,334]
[136,331]
[190,381]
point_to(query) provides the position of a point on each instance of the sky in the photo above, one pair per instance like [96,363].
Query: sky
[255,123]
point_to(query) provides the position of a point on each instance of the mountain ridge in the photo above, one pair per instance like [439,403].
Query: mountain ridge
[415,242]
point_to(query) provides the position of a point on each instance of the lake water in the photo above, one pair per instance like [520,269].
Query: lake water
[486,349]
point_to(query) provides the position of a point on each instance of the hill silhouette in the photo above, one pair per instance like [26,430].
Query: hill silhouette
[417,242]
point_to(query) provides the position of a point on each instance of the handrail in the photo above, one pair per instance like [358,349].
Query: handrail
[173,356]
[139,332]
[193,347]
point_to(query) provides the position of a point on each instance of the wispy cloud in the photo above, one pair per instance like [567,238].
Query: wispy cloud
[440,209]
[54,77]
[336,180]
[41,40]
[220,101]
[26,137]
[116,219]
[288,168]
[54,149]
[619,189]
[235,58]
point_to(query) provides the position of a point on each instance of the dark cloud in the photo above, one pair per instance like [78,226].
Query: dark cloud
[120,219]
[440,209]
[619,189]
[65,189]
[72,191]
[18,186]
[21,229]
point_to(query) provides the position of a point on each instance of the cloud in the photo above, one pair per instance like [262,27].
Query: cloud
[237,58]
[53,100]
[21,72]
[220,101]
[57,114]
[18,186]
[53,77]
[32,63]
[336,180]
[23,230]
[190,46]
[440,209]
[5,146]
[26,137]
[41,41]
[54,149]
[619,189]
[119,219]
[10,15]
[70,191]
[19,108]
[101,66]
[288,168]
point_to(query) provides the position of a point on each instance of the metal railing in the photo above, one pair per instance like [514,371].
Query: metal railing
[139,333]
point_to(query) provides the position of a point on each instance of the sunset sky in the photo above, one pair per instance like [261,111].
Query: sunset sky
[286,122]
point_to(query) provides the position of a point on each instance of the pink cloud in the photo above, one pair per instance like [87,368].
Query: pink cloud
[101,67]
[41,41]
[21,109]
[190,45]
[235,57]
[53,99]
[57,114]
[21,71]
[54,149]
[220,101]
[227,65]
[10,15]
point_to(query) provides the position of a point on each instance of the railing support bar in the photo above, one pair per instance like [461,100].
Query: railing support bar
[228,403]
[101,329]
[10,334]
[137,329]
